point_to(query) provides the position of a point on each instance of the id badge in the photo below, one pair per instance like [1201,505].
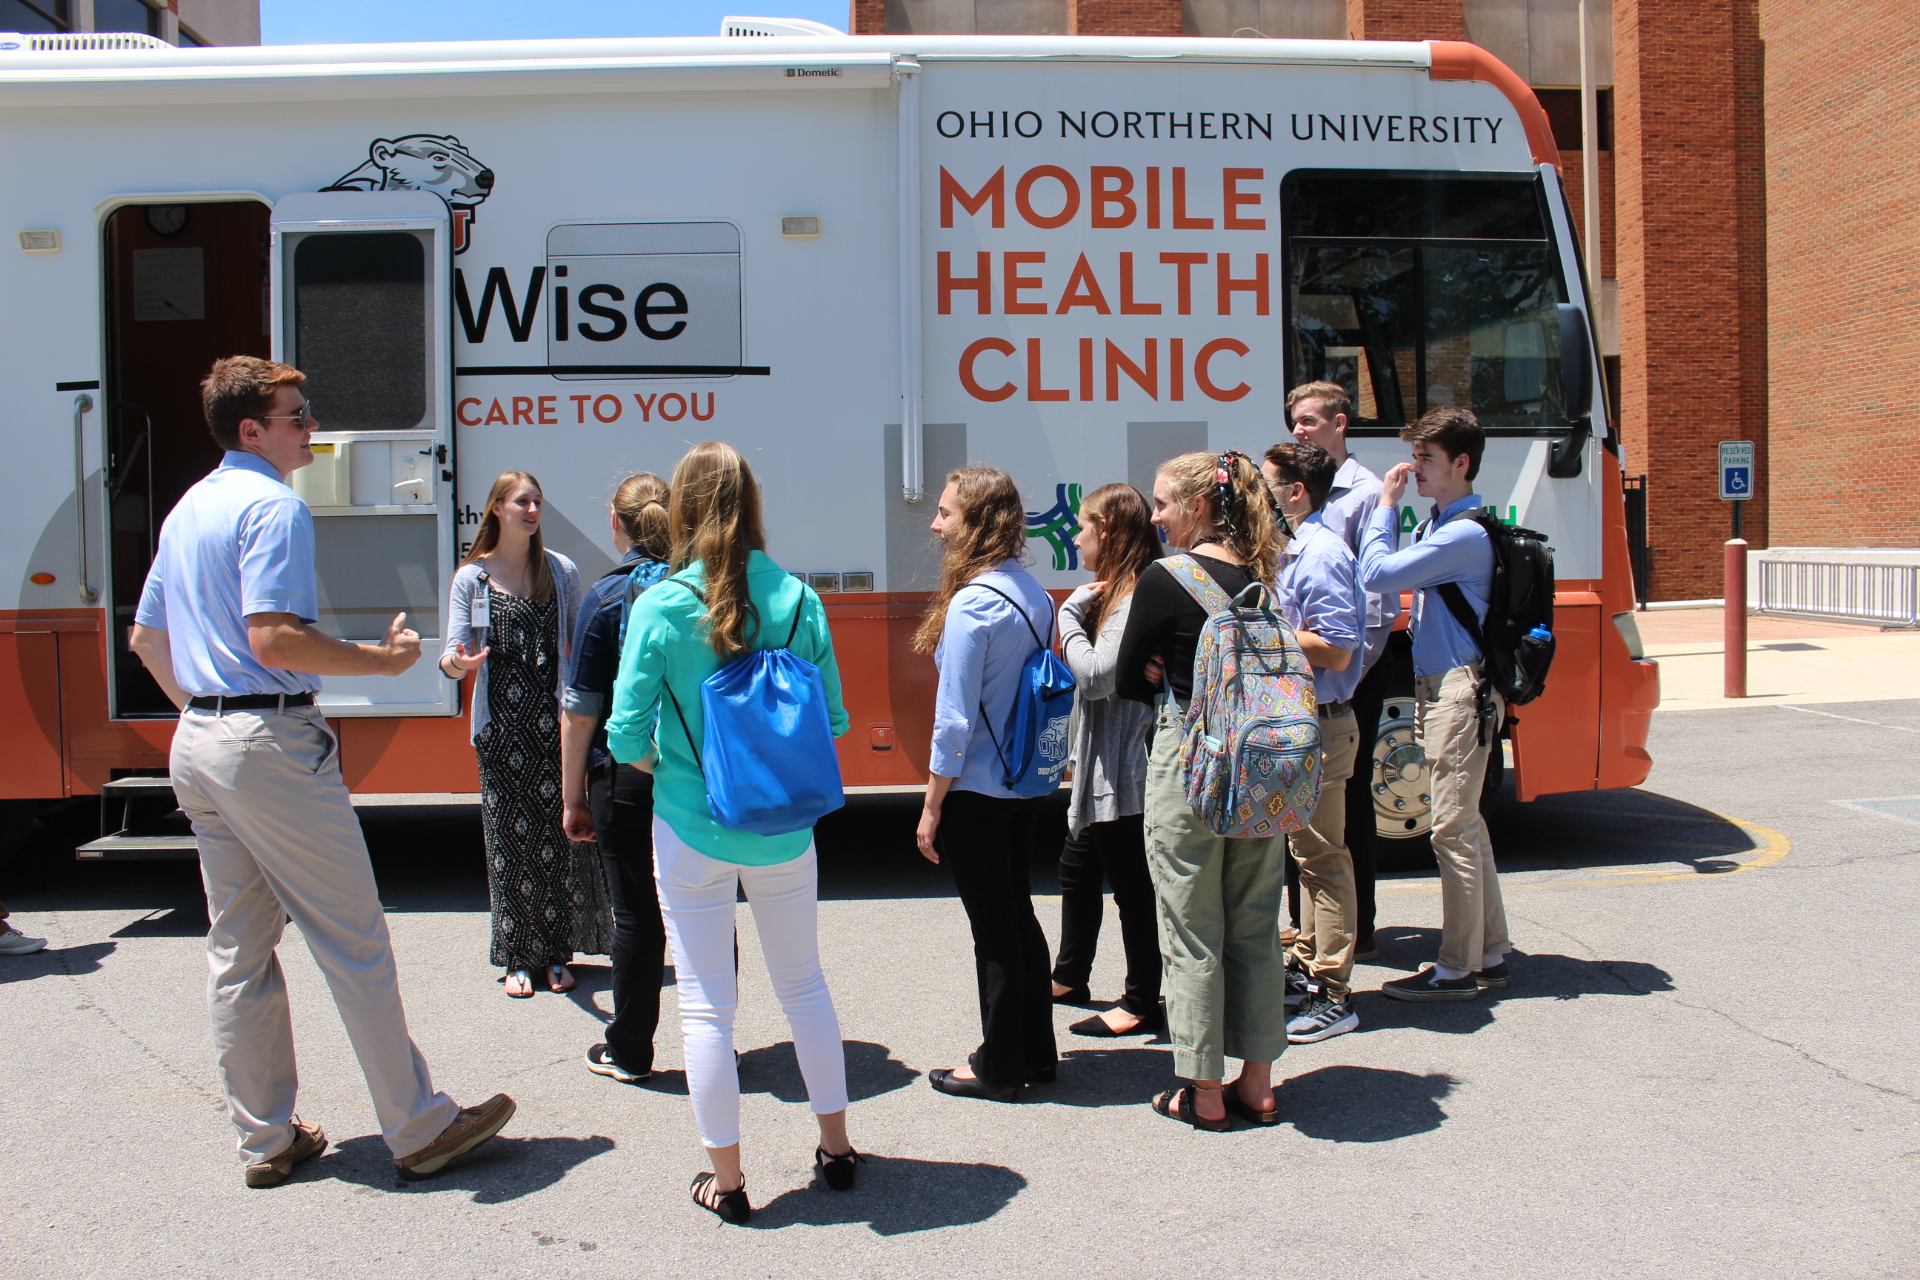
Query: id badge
[480,617]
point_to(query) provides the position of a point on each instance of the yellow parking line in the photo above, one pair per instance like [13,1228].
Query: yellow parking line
[1773,846]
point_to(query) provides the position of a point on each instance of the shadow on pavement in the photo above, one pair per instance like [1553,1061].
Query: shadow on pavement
[1362,1104]
[1106,1077]
[1541,976]
[504,1169]
[185,921]
[871,1070]
[48,961]
[897,1196]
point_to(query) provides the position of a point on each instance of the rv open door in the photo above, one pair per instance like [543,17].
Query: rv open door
[361,283]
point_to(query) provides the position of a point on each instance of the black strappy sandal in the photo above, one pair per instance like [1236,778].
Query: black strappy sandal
[838,1171]
[729,1206]
[1238,1106]
[1177,1104]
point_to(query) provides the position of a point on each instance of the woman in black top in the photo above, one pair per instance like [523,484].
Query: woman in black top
[1219,899]
[611,803]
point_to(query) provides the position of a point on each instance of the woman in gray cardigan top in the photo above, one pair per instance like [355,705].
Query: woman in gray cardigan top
[1105,837]
[510,618]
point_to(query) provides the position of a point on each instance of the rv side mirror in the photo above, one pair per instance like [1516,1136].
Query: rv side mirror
[1576,389]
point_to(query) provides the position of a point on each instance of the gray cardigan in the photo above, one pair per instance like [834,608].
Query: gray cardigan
[1109,732]
[467,585]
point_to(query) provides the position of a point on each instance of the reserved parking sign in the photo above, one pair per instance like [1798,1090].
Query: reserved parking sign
[1736,470]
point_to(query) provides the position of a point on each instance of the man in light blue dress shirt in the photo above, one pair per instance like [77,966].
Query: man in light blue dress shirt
[225,625]
[1319,596]
[1319,413]
[1456,721]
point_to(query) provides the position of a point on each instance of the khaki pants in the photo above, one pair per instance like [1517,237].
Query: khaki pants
[278,838]
[1218,904]
[1324,944]
[1473,919]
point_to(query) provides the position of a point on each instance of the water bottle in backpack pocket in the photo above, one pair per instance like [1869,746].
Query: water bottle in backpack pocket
[1250,752]
[1037,734]
[769,762]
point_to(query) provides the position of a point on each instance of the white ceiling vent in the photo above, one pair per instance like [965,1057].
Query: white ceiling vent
[79,41]
[731,26]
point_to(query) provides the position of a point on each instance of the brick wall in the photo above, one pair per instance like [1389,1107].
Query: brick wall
[867,17]
[1679,270]
[1407,20]
[1842,150]
[1126,17]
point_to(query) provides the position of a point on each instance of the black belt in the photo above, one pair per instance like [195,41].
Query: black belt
[1330,709]
[252,702]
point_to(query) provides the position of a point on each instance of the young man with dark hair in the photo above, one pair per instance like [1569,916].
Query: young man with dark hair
[1319,595]
[225,625]
[1456,722]
[1319,413]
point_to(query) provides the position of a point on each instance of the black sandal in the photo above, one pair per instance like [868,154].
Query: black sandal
[1238,1106]
[729,1206]
[838,1171]
[1177,1104]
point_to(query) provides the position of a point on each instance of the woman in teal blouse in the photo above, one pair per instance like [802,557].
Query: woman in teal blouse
[726,598]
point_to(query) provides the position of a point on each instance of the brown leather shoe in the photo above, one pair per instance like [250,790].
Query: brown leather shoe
[473,1126]
[308,1140]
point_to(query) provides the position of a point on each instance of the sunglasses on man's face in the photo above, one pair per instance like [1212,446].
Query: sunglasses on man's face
[304,417]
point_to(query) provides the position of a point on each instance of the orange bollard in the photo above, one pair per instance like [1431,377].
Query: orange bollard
[1736,619]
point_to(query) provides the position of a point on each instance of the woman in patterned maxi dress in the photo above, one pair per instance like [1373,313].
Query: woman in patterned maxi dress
[511,601]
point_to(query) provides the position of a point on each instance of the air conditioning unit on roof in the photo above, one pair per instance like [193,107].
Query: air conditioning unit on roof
[79,41]
[732,26]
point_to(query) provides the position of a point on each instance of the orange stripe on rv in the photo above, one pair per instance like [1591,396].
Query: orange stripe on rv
[1458,60]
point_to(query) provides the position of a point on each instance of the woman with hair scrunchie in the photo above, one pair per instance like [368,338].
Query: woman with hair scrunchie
[610,805]
[1219,899]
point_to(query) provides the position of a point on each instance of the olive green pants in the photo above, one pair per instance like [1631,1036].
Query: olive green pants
[1219,904]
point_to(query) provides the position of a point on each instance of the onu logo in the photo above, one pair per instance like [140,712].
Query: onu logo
[425,162]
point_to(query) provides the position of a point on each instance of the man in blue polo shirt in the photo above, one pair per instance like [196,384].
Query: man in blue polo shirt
[225,625]
[1319,595]
[1456,721]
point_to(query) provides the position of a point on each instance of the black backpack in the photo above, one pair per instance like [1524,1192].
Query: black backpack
[1519,605]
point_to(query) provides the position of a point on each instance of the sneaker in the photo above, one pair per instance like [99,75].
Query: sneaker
[473,1126]
[1428,985]
[1321,1019]
[308,1140]
[601,1062]
[1498,976]
[1299,986]
[15,943]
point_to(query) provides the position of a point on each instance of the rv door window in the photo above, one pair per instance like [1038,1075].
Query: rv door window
[360,327]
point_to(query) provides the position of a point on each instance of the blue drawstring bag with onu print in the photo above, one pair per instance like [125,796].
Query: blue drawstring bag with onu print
[769,761]
[1033,758]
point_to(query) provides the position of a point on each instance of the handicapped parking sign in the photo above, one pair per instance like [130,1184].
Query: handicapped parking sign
[1736,470]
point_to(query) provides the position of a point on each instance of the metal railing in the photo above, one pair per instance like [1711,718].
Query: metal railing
[1885,593]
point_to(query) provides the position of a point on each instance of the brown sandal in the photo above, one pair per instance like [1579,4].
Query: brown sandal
[1177,1104]
[1237,1105]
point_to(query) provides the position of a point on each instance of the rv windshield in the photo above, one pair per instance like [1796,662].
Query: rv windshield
[1418,290]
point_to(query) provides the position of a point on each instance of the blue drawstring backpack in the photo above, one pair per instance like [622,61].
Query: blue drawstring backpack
[1035,757]
[769,761]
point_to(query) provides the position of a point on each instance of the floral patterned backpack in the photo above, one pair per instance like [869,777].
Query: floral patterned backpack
[1251,748]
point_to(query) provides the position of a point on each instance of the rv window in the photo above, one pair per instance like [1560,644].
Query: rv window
[1415,291]
[360,327]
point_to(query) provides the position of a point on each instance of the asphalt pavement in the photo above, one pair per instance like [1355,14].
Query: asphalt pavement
[1708,1067]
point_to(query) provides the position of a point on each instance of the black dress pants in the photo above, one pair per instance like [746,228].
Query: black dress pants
[987,843]
[1362,831]
[1115,851]
[620,798]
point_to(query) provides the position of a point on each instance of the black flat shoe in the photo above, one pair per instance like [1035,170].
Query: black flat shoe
[943,1079]
[729,1206]
[1078,995]
[837,1171]
[1097,1026]
[1043,1075]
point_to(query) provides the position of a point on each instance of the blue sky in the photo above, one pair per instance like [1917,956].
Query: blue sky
[356,21]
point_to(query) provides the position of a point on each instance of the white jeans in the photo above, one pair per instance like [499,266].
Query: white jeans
[697,896]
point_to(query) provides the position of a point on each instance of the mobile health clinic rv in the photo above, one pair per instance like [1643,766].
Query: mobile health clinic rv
[862,260]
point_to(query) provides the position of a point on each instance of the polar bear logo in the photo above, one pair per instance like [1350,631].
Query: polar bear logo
[425,162]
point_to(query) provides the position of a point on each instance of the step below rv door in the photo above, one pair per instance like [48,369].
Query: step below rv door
[360,304]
